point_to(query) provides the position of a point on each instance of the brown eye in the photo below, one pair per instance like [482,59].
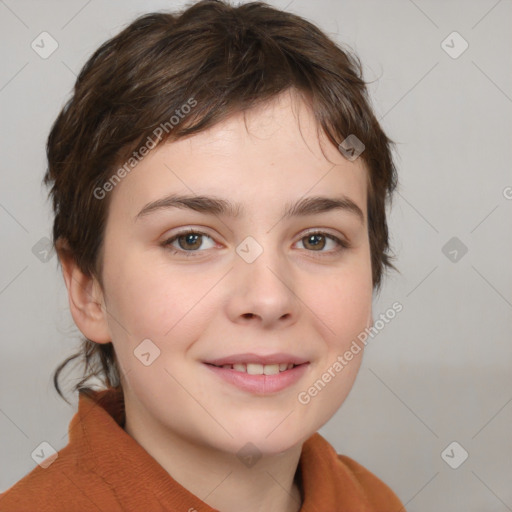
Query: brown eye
[189,243]
[318,241]
[315,242]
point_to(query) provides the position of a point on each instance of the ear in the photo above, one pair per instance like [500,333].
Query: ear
[86,300]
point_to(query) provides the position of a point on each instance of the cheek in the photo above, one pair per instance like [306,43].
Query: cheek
[139,301]
[146,300]
[345,310]
[344,304]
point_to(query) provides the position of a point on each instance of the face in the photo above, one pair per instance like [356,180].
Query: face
[212,283]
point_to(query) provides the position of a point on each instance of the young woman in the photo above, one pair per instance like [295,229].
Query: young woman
[219,183]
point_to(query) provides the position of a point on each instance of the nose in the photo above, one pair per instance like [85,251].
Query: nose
[263,291]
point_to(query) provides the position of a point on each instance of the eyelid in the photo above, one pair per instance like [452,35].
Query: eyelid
[167,243]
[341,241]
[325,231]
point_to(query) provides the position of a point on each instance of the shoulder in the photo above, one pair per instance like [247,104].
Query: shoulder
[335,481]
[66,485]
[376,492]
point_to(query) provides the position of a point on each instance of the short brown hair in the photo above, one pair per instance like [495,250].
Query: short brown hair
[228,58]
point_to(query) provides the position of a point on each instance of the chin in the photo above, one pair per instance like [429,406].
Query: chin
[269,437]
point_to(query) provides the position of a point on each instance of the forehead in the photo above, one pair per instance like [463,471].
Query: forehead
[274,152]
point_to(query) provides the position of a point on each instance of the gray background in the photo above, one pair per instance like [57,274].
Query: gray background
[441,370]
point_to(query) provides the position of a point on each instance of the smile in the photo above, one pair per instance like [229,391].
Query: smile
[258,369]
[257,378]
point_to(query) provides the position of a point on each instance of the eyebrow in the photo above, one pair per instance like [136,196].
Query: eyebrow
[218,206]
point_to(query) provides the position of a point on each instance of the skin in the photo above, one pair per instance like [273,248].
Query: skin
[214,304]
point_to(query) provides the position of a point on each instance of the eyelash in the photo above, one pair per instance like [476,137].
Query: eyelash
[342,244]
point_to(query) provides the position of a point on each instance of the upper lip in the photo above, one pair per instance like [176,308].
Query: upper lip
[277,358]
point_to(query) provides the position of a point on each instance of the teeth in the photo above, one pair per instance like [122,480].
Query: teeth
[271,369]
[259,369]
[255,369]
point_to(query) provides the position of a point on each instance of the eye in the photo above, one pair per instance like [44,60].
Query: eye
[316,241]
[189,241]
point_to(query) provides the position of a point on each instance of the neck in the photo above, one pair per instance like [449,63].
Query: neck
[220,479]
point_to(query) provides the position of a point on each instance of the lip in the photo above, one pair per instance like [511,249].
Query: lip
[260,384]
[276,358]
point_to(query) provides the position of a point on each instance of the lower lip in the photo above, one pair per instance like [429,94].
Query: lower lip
[261,384]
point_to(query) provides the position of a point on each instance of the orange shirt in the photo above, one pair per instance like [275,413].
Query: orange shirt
[104,469]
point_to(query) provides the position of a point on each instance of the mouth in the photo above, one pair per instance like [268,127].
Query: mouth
[257,369]
[261,375]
